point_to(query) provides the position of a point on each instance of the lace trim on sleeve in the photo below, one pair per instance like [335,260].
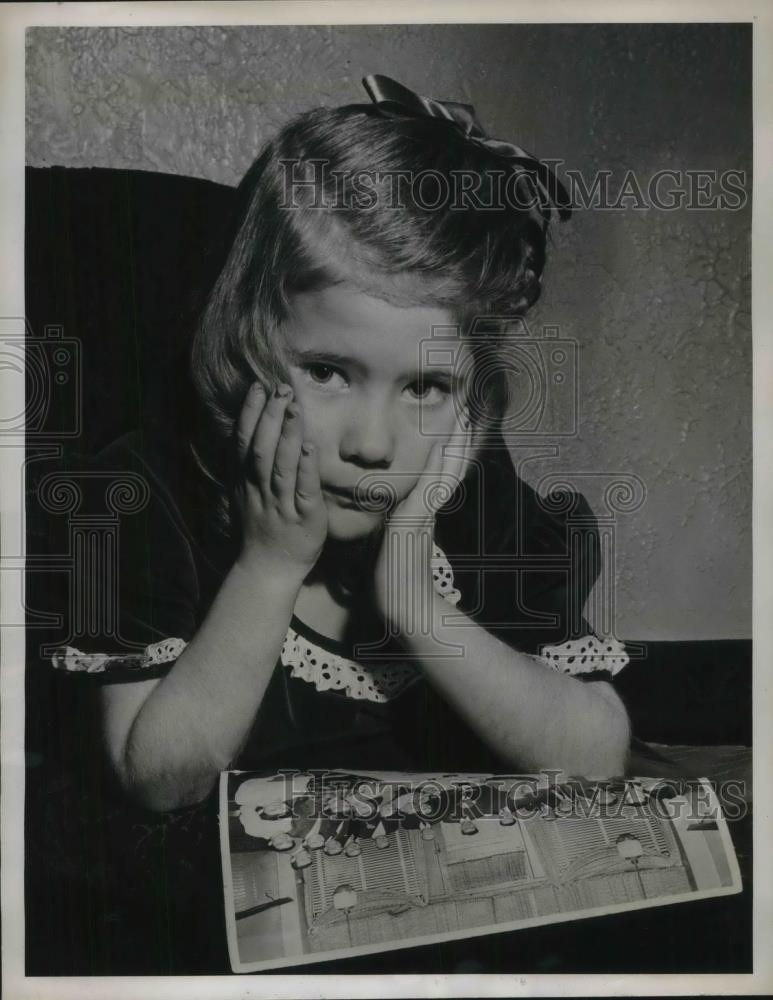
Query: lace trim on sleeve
[443,576]
[586,655]
[74,661]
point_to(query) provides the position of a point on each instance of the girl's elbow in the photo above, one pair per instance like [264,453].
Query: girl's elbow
[617,732]
[159,798]
[160,793]
[163,801]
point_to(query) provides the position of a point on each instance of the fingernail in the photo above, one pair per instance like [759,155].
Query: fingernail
[284,391]
[307,448]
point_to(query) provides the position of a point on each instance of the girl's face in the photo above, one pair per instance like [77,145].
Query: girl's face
[372,404]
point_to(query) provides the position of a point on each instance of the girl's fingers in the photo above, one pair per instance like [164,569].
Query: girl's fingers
[452,463]
[250,413]
[446,469]
[286,458]
[457,451]
[455,462]
[266,437]
[308,491]
[419,502]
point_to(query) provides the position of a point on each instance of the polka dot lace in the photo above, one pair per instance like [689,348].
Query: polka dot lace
[443,576]
[330,672]
[586,655]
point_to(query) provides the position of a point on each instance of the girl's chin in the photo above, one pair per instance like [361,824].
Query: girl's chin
[345,524]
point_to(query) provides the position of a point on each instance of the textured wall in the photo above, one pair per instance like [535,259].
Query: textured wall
[659,301]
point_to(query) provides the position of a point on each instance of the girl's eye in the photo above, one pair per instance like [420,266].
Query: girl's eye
[324,375]
[431,393]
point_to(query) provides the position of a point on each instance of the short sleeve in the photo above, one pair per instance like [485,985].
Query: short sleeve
[526,566]
[569,530]
[134,592]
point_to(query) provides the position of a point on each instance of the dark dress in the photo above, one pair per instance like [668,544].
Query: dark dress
[171,562]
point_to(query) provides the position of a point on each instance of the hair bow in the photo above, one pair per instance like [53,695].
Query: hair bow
[393,98]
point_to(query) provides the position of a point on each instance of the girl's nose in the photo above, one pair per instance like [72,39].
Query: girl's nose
[369,439]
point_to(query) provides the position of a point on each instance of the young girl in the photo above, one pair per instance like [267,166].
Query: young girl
[342,569]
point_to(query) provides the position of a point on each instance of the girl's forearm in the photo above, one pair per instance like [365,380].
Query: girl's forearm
[197,718]
[531,716]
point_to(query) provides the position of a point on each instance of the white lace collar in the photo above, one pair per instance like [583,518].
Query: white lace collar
[380,682]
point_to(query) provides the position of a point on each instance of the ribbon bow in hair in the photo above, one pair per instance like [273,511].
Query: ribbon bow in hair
[392,98]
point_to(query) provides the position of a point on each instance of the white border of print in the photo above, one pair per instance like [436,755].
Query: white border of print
[14,18]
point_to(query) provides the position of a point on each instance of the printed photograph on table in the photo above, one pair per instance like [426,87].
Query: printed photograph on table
[388,412]
[323,864]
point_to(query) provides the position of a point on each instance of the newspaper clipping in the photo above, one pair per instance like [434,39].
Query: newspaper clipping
[326,864]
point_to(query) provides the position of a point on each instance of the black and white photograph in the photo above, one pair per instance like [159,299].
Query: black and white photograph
[380,583]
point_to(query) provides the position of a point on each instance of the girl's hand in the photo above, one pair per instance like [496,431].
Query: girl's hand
[278,495]
[404,589]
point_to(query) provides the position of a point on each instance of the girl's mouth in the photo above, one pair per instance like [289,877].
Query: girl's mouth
[352,498]
[343,497]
